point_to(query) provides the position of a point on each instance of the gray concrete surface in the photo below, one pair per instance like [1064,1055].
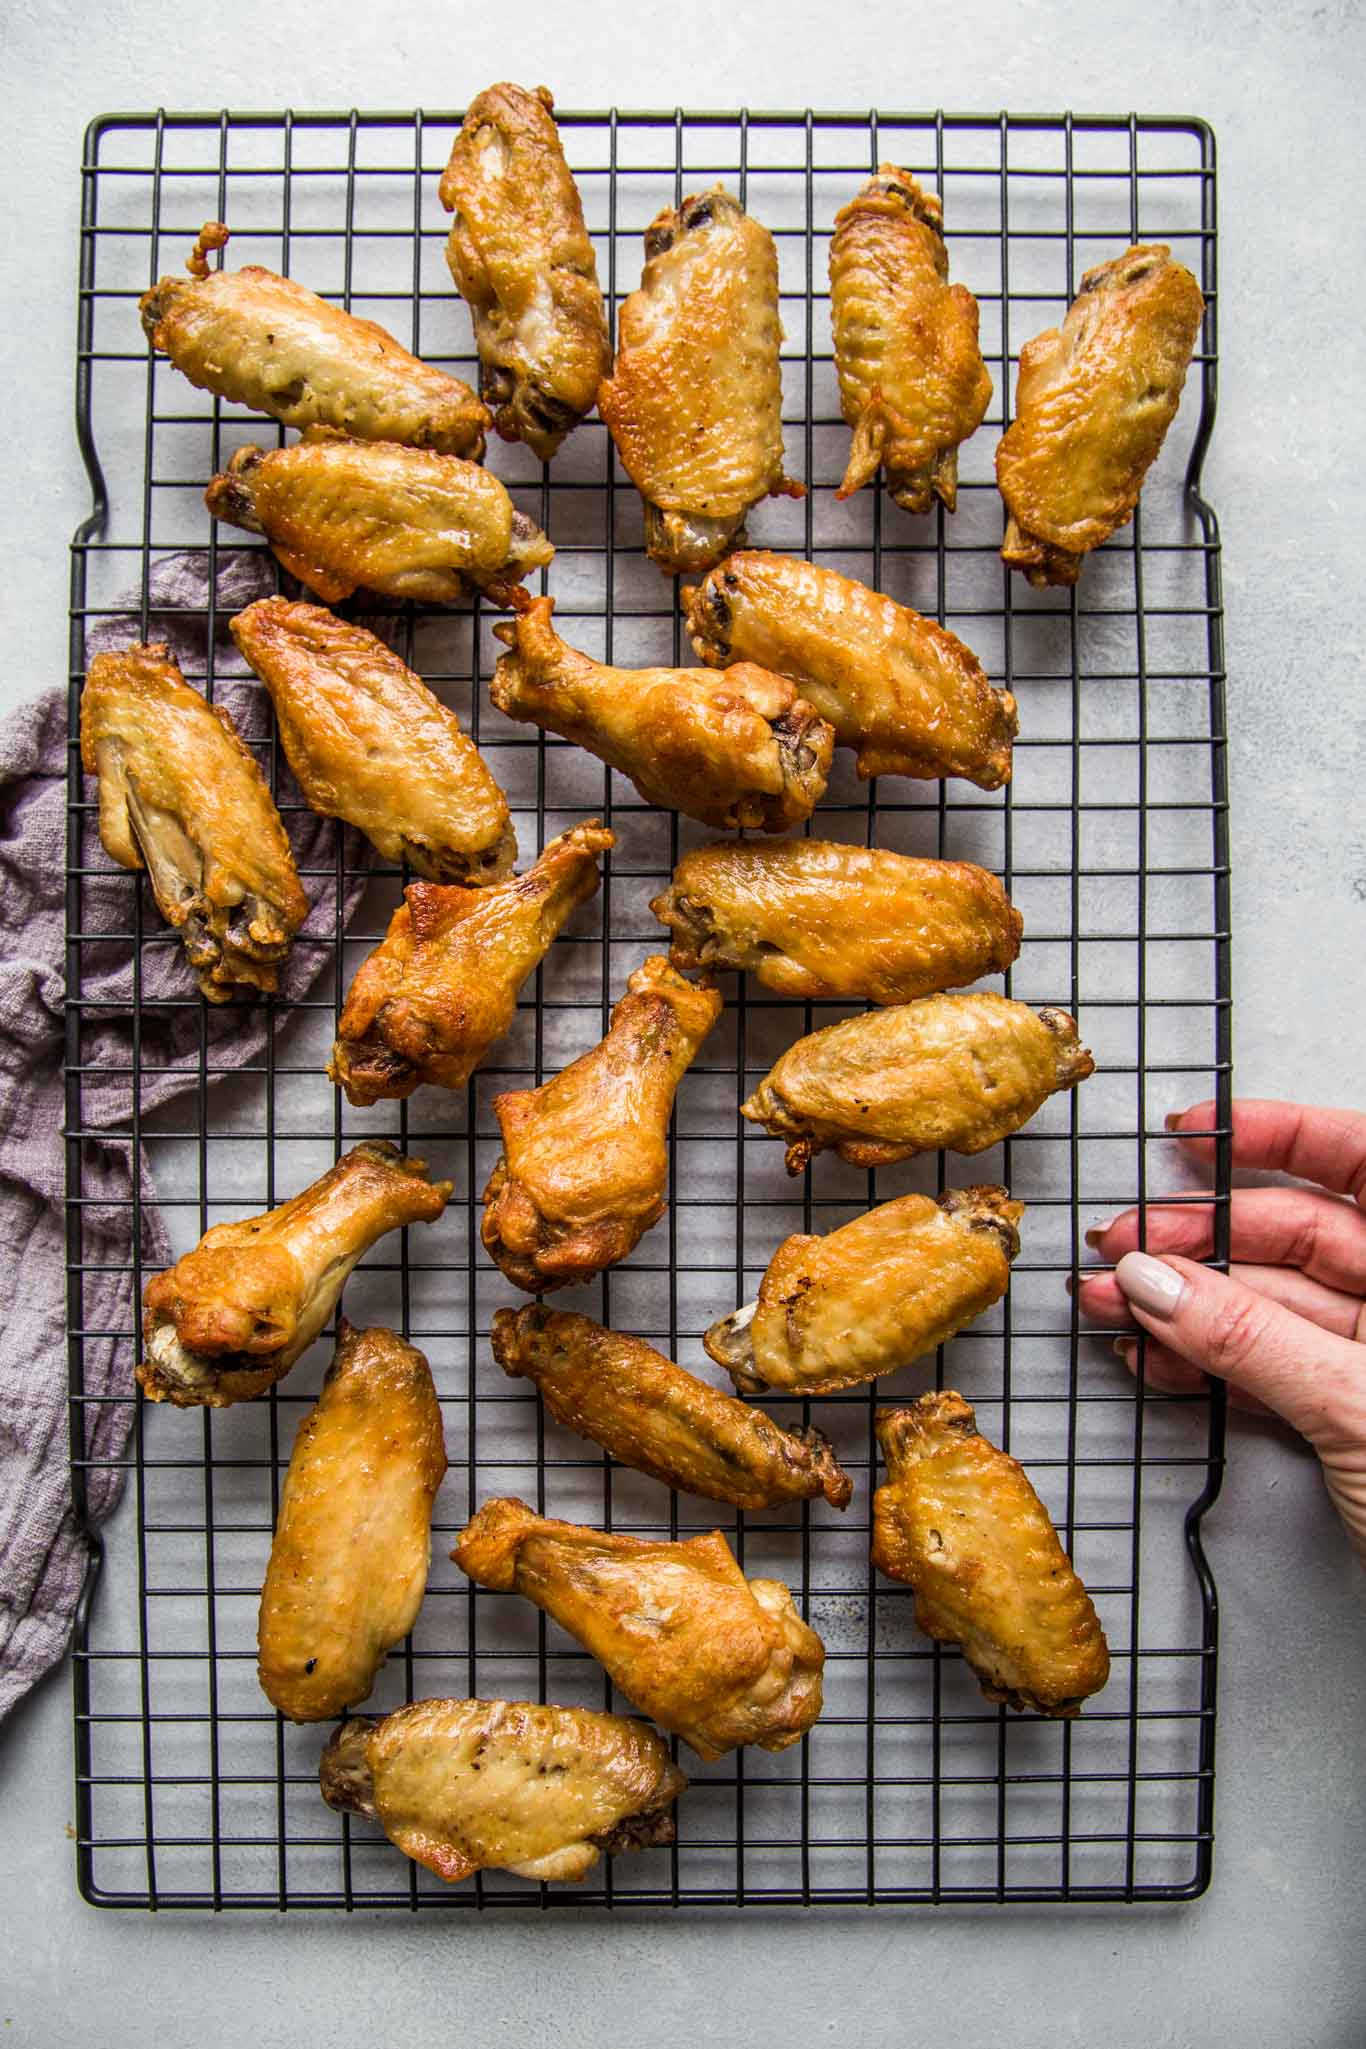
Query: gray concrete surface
[1274,1955]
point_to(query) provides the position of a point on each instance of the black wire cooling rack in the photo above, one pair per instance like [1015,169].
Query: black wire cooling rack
[1112,839]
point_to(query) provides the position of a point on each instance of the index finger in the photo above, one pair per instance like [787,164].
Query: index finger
[1327,1146]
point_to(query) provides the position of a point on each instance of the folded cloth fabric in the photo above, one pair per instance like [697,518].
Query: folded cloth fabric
[45,1547]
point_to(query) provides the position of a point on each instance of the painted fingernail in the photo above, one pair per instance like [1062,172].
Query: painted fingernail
[1095,1235]
[1149,1284]
[1172,1120]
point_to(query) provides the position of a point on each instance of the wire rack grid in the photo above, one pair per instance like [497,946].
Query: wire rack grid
[1112,839]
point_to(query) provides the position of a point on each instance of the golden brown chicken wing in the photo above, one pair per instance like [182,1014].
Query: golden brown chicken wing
[1093,403]
[273,345]
[236,1313]
[695,402]
[368,742]
[718,1659]
[818,918]
[736,749]
[873,1295]
[404,521]
[912,381]
[441,987]
[653,1415]
[522,261]
[902,691]
[348,1567]
[959,1521]
[181,795]
[476,1785]
[585,1160]
[952,1073]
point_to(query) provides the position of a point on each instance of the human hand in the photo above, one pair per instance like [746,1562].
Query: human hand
[1286,1327]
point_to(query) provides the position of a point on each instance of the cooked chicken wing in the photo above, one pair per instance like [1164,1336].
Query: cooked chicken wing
[585,1160]
[521,259]
[959,1521]
[236,1313]
[441,987]
[1093,403]
[653,1415]
[181,795]
[818,918]
[718,1659]
[476,1785]
[952,1073]
[348,1567]
[695,403]
[339,514]
[902,691]
[273,345]
[368,742]
[873,1295]
[912,381]
[736,749]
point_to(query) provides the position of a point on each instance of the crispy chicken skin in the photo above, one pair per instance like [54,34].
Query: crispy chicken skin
[817,918]
[653,1415]
[368,742]
[183,797]
[339,514]
[959,1522]
[585,1160]
[695,401]
[906,694]
[441,987]
[273,345]
[1093,403]
[718,1659]
[235,1314]
[952,1073]
[348,1567]
[522,261]
[912,381]
[873,1295]
[478,1785]
[740,748]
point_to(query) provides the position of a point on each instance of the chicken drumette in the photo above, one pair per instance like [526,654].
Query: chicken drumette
[441,987]
[348,1567]
[718,1659]
[653,1415]
[585,1160]
[959,1521]
[236,1313]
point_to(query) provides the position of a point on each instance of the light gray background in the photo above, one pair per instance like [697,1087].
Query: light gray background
[1274,1955]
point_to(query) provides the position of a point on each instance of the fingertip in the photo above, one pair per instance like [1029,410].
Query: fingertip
[1095,1237]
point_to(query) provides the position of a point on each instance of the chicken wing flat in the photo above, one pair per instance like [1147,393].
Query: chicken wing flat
[816,918]
[959,1522]
[477,1785]
[1093,403]
[695,403]
[235,1314]
[183,797]
[873,1295]
[441,987]
[348,1567]
[585,1162]
[946,1073]
[522,261]
[906,694]
[912,381]
[339,514]
[718,1659]
[273,345]
[653,1415]
[740,748]
[368,742]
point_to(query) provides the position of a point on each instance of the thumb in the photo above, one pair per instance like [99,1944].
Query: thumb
[1314,1379]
